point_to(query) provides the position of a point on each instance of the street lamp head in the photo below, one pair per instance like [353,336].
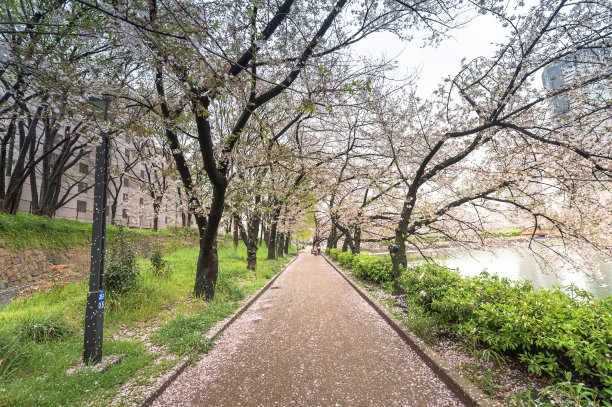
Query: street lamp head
[101,106]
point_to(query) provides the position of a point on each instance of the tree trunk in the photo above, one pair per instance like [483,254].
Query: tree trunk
[357,240]
[208,260]
[332,240]
[34,208]
[272,242]
[252,254]
[287,242]
[207,268]
[49,201]
[266,236]
[114,211]
[334,244]
[156,207]
[236,220]
[6,157]
[261,233]
[250,238]
[273,238]
[10,204]
[397,250]
[252,258]
[348,239]
[280,241]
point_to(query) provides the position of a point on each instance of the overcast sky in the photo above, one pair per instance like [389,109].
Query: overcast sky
[475,39]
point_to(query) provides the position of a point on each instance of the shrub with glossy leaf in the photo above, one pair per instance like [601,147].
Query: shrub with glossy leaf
[346,259]
[552,331]
[378,269]
[333,253]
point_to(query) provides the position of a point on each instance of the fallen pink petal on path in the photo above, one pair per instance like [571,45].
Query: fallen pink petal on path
[312,340]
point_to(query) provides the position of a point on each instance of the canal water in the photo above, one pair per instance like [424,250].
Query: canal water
[508,263]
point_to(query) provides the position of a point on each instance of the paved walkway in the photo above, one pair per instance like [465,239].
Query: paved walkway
[310,340]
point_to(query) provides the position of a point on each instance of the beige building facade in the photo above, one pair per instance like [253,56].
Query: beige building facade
[134,205]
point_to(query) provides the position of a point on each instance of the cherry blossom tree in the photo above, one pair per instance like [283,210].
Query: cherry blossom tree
[491,142]
[204,57]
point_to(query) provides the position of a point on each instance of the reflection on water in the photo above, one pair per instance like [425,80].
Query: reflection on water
[507,263]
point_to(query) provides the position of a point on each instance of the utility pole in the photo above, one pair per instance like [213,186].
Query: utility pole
[94,313]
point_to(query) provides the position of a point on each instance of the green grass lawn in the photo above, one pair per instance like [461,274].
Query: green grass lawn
[39,232]
[41,336]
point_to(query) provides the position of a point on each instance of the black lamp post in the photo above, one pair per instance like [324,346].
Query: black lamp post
[94,313]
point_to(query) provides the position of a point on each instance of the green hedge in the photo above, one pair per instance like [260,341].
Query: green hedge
[365,266]
[552,331]
[346,260]
[374,268]
[333,253]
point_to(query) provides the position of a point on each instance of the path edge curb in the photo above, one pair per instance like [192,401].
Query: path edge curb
[464,389]
[211,335]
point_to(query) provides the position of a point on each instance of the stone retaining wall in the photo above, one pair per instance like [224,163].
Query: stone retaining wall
[22,267]
[31,265]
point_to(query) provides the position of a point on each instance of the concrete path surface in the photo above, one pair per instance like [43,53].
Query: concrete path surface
[310,340]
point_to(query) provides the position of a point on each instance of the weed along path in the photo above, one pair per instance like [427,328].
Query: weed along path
[310,340]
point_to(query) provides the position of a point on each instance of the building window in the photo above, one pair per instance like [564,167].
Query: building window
[83,168]
[82,186]
[81,206]
[142,201]
[142,174]
[126,182]
[127,154]
[125,197]
[124,214]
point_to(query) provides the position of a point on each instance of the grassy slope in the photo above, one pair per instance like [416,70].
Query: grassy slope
[24,230]
[34,373]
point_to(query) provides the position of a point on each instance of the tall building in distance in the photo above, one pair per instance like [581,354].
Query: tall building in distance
[582,65]
[581,70]
[553,78]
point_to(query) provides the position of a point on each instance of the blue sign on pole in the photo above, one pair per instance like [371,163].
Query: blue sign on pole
[101,297]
